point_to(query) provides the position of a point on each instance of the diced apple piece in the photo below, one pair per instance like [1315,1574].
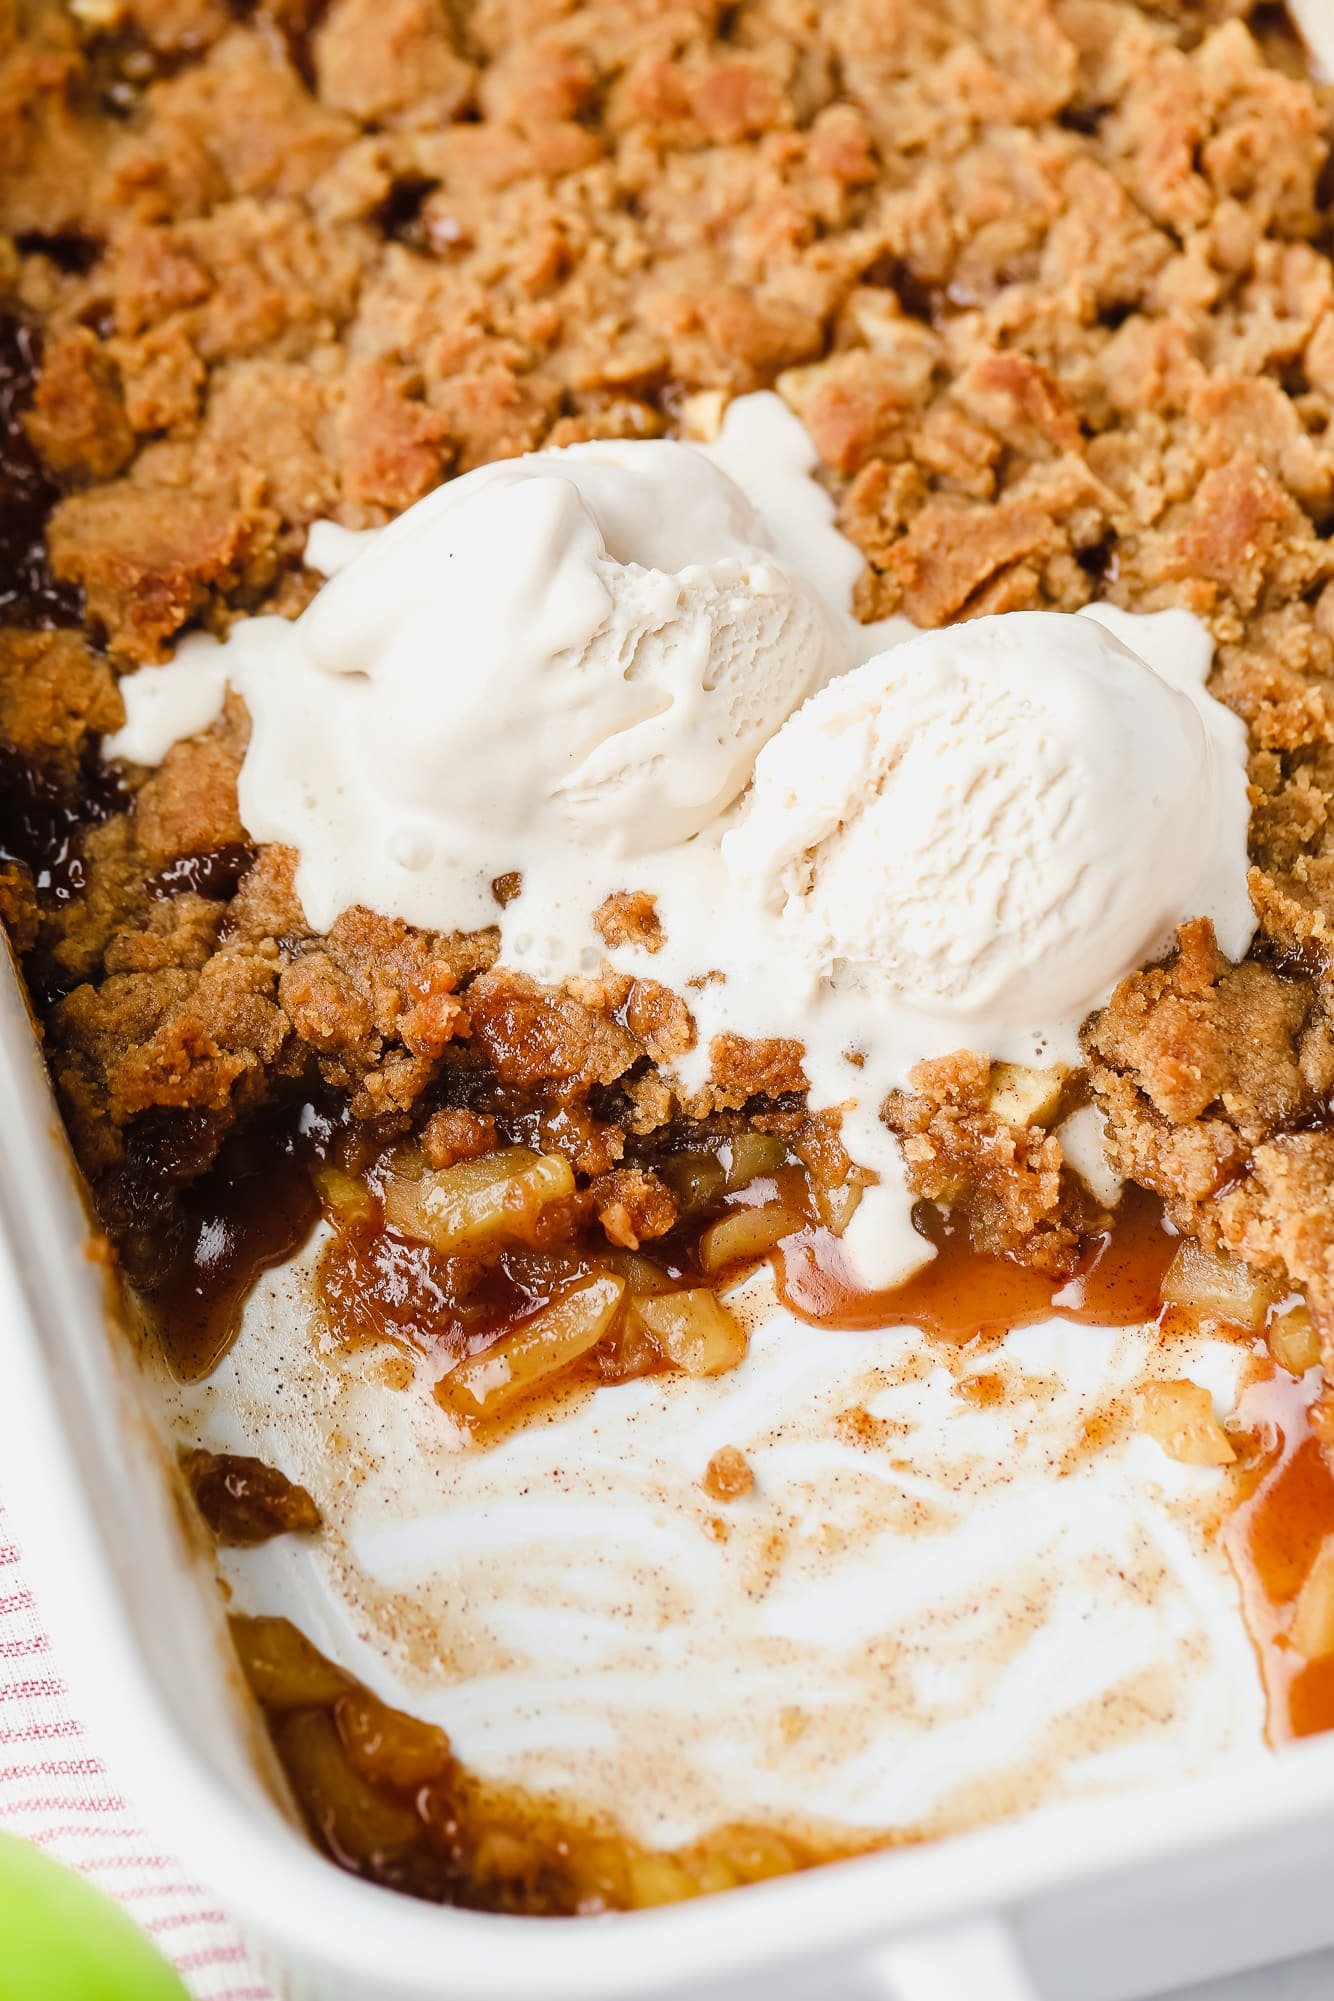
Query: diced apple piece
[343,1194]
[640,1273]
[1180,1416]
[1293,1341]
[388,1747]
[696,1179]
[355,1819]
[702,415]
[751,1154]
[495,1197]
[1219,1288]
[658,1879]
[1312,1628]
[712,1873]
[745,1235]
[283,1668]
[535,1352]
[600,1867]
[506,1853]
[836,1207]
[755,1852]
[1025,1097]
[627,1350]
[694,1331]
[797,386]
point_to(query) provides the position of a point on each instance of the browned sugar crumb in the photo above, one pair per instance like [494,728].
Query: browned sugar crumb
[629,917]
[633,1205]
[452,1135]
[244,1501]
[54,692]
[770,1067]
[18,906]
[728,1475]
[77,420]
[1208,1072]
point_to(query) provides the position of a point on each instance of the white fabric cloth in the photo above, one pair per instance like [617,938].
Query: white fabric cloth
[60,1790]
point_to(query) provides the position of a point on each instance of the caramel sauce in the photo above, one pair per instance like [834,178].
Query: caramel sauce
[214,873]
[375,1285]
[42,819]
[40,813]
[258,1203]
[29,595]
[1271,1538]
[254,1208]
[69,250]
[964,1293]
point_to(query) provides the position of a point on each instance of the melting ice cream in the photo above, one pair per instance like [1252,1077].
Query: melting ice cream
[632,666]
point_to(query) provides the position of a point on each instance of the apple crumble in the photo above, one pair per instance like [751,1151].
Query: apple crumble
[1049,285]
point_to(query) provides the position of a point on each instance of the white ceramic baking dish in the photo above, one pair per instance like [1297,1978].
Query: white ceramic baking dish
[1120,1897]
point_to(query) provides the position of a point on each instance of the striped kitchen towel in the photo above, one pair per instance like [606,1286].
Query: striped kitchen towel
[59,1790]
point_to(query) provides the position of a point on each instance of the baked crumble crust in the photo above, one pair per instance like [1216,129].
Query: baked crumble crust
[1048,282]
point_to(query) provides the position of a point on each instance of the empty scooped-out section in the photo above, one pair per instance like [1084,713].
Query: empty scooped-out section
[924,1556]
[959,1582]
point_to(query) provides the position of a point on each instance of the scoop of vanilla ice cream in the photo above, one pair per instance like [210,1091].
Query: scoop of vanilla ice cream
[585,669]
[589,644]
[988,826]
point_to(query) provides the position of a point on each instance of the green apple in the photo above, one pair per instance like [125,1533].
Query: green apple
[61,1940]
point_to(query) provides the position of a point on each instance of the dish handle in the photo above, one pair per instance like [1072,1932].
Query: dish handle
[975,1961]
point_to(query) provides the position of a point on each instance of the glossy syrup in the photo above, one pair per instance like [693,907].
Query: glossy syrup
[40,814]
[258,1204]
[214,873]
[1272,1538]
[194,1270]
[29,595]
[965,1293]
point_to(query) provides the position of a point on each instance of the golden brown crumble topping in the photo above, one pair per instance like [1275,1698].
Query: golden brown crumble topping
[630,917]
[1045,279]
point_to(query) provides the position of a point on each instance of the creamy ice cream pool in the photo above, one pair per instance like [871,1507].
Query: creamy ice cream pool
[632,666]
